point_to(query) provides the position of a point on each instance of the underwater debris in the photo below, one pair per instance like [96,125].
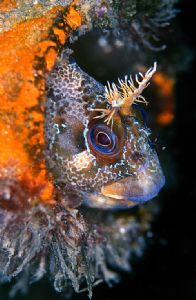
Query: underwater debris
[69,246]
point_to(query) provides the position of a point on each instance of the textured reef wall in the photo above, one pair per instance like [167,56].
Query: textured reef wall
[40,234]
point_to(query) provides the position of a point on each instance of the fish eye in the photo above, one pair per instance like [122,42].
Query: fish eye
[105,144]
[102,139]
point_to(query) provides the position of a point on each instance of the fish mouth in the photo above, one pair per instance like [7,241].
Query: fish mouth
[135,190]
[127,192]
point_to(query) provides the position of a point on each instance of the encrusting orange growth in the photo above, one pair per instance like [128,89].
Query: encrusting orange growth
[73,19]
[27,53]
[165,87]
[7,5]
[60,33]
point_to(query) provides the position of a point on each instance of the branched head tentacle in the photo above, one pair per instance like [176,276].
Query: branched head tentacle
[121,97]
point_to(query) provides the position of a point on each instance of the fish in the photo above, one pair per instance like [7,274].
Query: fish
[75,160]
[98,148]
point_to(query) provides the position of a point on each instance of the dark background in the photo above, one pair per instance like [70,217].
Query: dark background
[168,268]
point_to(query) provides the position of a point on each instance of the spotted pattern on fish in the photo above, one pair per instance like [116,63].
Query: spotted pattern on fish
[75,164]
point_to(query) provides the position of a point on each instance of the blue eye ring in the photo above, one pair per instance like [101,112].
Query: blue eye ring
[102,139]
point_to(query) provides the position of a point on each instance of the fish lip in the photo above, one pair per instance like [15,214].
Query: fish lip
[135,190]
[98,200]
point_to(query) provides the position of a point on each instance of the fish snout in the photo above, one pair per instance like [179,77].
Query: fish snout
[135,189]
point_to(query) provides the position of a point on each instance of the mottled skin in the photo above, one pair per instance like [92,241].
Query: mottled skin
[127,175]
